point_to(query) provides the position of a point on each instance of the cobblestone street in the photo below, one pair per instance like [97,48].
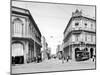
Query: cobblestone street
[52,65]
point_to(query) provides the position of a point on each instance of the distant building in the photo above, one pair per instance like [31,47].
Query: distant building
[80,35]
[44,49]
[25,36]
[43,42]
[59,48]
[59,51]
[49,52]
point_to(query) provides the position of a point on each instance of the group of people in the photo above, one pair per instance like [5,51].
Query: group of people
[37,59]
[63,59]
[17,60]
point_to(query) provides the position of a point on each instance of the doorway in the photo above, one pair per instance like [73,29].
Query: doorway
[91,52]
[17,53]
[76,50]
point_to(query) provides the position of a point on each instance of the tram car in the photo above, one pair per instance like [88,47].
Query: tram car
[82,55]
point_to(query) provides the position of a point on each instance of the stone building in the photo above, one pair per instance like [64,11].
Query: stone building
[59,51]
[45,50]
[58,48]
[79,34]
[25,36]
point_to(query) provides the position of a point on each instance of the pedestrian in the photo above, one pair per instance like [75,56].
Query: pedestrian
[39,58]
[13,60]
[93,58]
[67,58]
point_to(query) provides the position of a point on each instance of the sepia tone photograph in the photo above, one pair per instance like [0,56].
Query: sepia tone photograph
[52,37]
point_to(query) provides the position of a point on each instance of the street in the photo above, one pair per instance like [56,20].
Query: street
[52,65]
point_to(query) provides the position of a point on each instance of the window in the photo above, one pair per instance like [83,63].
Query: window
[91,38]
[18,26]
[91,26]
[76,24]
[77,37]
[86,37]
[85,24]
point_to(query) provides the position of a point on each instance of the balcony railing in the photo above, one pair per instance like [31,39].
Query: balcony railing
[32,36]
[79,28]
[77,42]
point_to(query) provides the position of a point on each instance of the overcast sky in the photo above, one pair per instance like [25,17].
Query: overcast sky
[53,18]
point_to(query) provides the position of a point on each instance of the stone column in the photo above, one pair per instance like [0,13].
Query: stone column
[25,52]
[34,49]
[94,51]
[69,51]
[32,53]
[73,54]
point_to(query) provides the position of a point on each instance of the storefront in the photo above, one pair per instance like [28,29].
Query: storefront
[17,53]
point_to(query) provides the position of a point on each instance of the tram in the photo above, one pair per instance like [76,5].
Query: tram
[81,55]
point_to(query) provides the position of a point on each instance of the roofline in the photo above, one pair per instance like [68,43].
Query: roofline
[19,8]
[74,18]
[29,15]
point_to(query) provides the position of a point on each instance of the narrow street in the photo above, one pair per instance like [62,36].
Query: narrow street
[43,33]
[52,65]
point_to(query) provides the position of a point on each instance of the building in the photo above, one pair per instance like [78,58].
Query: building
[58,48]
[43,42]
[59,51]
[44,48]
[49,52]
[79,35]
[25,36]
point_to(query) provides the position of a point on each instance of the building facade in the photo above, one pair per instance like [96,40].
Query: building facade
[59,51]
[25,36]
[80,35]
[49,52]
[45,50]
[58,48]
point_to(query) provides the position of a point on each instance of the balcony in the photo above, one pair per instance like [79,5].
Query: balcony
[79,42]
[78,30]
[20,35]
[25,36]
[33,37]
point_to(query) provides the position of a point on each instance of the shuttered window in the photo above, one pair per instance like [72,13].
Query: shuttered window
[18,27]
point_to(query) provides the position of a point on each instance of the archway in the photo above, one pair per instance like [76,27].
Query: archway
[91,52]
[17,53]
[76,50]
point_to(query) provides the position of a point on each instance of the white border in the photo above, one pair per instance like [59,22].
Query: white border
[5,37]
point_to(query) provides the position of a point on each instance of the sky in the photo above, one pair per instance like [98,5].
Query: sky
[52,19]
